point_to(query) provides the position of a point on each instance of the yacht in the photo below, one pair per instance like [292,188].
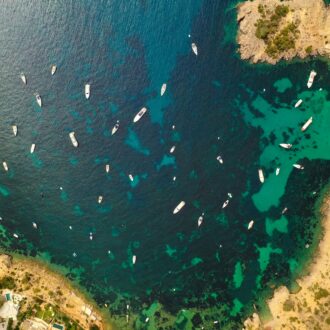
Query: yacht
[163,89]
[277,172]
[87,91]
[308,122]
[298,103]
[33,146]
[131,177]
[34,225]
[134,259]
[139,115]
[23,77]
[200,220]
[172,149]
[261,176]
[179,207]
[115,128]
[311,78]
[225,203]
[100,199]
[5,166]
[194,48]
[38,98]
[107,168]
[53,69]
[14,127]
[220,160]
[73,139]
[286,145]
[250,225]
[298,166]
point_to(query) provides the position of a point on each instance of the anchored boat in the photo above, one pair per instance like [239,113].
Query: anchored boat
[73,139]
[179,207]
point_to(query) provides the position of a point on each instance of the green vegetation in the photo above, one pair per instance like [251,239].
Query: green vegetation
[321,293]
[288,305]
[7,282]
[10,324]
[309,49]
[268,29]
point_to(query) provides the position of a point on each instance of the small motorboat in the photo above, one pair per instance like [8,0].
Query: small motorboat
[194,48]
[298,166]
[286,145]
[298,103]
[100,199]
[163,89]
[134,259]
[131,177]
[139,115]
[284,210]
[87,91]
[229,195]
[179,207]
[33,146]
[35,226]
[277,172]
[91,236]
[172,149]
[38,98]
[73,139]
[53,69]
[115,128]
[225,204]
[15,235]
[5,166]
[220,160]
[261,175]
[174,178]
[200,220]
[14,127]
[107,168]
[250,225]
[23,78]
[311,78]
[308,122]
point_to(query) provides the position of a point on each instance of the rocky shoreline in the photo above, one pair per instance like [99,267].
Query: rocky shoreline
[313,24]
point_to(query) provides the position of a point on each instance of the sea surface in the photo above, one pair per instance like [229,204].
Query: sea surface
[185,276]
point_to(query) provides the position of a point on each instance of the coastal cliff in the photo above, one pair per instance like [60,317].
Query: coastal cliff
[271,30]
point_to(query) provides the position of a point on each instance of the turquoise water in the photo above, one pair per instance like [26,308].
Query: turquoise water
[185,276]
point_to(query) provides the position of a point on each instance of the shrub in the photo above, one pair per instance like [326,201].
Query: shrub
[309,49]
[7,282]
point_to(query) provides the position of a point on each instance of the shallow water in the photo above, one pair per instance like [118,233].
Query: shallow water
[126,51]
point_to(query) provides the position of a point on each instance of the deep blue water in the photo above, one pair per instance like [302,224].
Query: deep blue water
[126,50]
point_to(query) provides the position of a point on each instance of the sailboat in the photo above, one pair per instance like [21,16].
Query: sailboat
[33,146]
[87,91]
[194,48]
[14,127]
[163,89]
[53,69]
[115,128]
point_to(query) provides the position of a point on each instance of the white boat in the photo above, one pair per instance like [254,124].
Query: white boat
[34,225]
[250,225]
[179,207]
[311,78]
[220,160]
[230,195]
[139,115]
[298,166]
[38,98]
[277,172]
[298,103]
[5,166]
[33,146]
[131,177]
[73,139]
[15,235]
[23,77]
[261,176]
[194,48]
[200,220]
[115,128]
[286,145]
[225,203]
[107,168]
[163,89]
[308,122]
[174,178]
[147,320]
[284,210]
[14,127]
[87,91]
[91,236]
[172,149]
[53,69]
[100,199]
[134,259]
